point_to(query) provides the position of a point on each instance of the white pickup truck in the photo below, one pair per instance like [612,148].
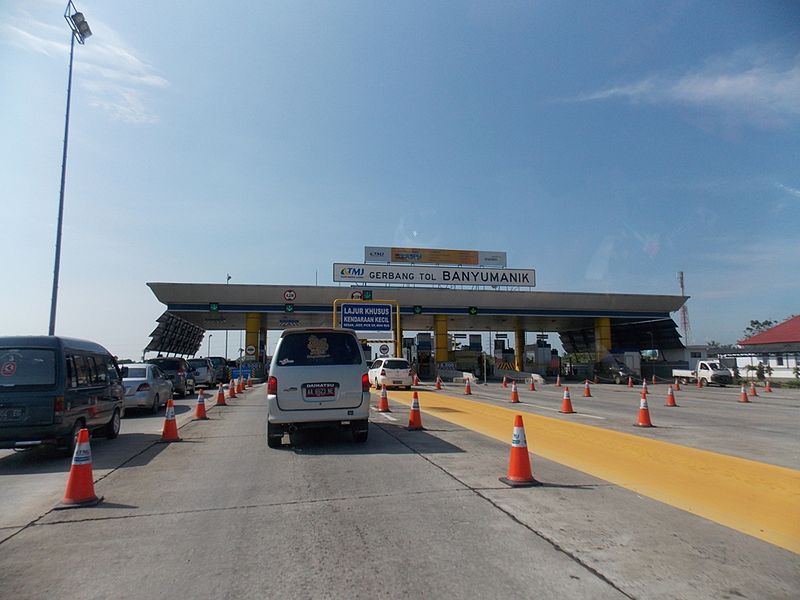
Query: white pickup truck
[707,371]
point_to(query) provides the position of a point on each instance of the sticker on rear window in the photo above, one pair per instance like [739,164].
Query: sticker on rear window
[8,368]
[317,347]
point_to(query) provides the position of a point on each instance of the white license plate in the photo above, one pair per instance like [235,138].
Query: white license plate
[11,414]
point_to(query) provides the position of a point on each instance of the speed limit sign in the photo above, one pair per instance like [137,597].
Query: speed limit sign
[290,295]
[384,349]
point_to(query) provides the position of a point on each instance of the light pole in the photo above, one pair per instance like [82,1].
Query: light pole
[227,281]
[210,335]
[80,31]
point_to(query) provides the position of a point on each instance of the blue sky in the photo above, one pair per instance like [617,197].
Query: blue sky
[608,145]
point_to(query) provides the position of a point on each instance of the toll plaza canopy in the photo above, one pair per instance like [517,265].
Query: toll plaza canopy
[586,322]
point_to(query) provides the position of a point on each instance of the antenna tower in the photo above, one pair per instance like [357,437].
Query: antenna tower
[684,312]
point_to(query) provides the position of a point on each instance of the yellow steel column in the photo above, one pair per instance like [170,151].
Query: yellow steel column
[519,349]
[440,343]
[398,339]
[252,325]
[602,337]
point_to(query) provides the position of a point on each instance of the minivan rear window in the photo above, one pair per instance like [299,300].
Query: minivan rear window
[167,364]
[27,366]
[323,348]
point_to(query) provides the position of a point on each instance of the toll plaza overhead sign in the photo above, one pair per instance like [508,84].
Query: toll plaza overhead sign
[367,316]
[356,273]
[434,256]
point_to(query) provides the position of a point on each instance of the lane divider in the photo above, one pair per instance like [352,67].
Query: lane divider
[755,498]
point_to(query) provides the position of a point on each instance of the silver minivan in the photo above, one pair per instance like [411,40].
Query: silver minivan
[317,377]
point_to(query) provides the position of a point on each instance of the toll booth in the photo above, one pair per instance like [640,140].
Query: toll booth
[425,360]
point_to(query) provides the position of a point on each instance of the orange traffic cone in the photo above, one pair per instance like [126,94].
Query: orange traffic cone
[677,385]
[467,388]
[80,483]
[533,385]
[240,385]
[415,381]
[743,395]
[753,391]
[630,381]
[519,462]
[558,380]
[438,382]
[644,413]
[200,409]
[670,397]
[699,383]
[644,388]
[232,389]
[383,403]
[514,393]
[170,431]
[566,404]
[654,378]
[768,387]
[221,396]
[249,382]
[505,383]
[415,417]
[587,393]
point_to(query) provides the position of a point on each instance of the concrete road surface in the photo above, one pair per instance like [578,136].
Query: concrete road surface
[406,515]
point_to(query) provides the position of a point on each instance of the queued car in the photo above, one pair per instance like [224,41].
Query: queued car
[391,372]
[146,386]
[318,376]
[178,371]
[222,373]
[203,371]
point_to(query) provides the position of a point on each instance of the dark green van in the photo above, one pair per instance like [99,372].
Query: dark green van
[51,387]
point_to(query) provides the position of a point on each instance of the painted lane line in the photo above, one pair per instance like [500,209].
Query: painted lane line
[577,414]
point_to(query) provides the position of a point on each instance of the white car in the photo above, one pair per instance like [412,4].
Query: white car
[318,376]
[146,386]
[391,372]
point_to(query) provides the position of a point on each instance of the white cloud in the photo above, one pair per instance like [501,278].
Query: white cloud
[117,80]
[756,85]
[792,191]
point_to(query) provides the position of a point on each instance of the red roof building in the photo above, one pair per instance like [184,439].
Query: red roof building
[784,337]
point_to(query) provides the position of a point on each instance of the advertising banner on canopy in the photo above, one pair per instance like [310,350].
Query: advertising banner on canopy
[434,256]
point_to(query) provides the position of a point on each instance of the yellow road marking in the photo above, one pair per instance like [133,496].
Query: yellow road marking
[758,499]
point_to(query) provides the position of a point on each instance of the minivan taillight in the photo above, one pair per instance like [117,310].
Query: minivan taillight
[272,386]
[365,382]
[58,405]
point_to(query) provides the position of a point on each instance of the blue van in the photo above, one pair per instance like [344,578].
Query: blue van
[51,387]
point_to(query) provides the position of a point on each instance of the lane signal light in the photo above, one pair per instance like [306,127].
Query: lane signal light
[289,308]
[367,295]
[417,309]
[473,310]
[213,307]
